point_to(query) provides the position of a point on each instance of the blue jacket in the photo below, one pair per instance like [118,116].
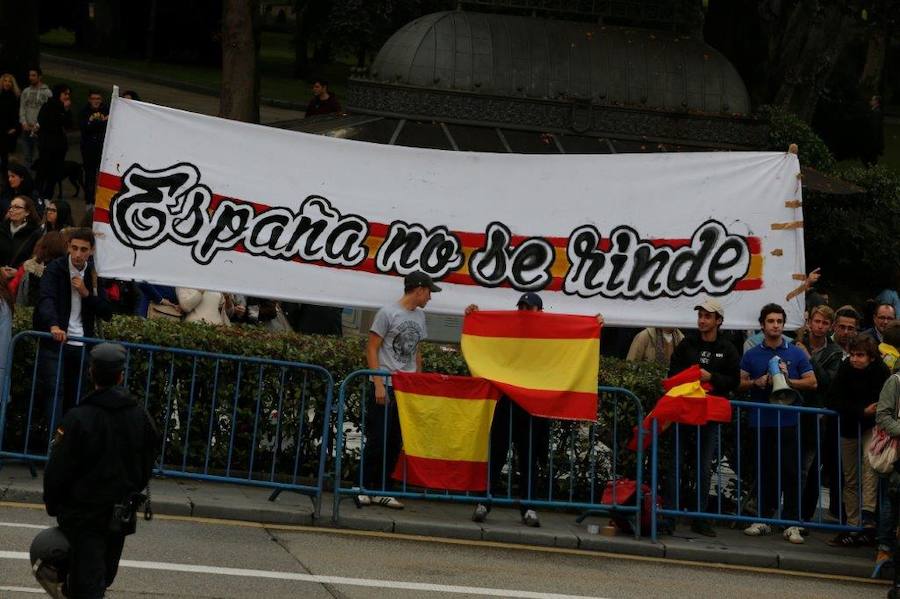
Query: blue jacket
[55,299]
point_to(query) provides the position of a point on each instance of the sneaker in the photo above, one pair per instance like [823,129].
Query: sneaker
[530,518]
[390,502]
[792,534]
[758,529]
[702,527]
[362,500]
[884,559]
[480,513]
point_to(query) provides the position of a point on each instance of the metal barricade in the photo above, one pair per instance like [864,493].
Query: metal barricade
[789,450]
[227,418]
[561,464]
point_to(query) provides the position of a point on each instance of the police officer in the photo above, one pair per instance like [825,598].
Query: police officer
[101,459]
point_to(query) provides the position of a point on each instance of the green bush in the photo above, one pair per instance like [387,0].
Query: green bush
[786,128]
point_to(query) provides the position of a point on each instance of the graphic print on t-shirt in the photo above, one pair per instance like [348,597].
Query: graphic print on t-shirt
[405,341]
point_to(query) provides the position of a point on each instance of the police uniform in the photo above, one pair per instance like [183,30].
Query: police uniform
[102,452]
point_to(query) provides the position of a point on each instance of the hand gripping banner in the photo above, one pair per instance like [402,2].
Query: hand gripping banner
[190,200]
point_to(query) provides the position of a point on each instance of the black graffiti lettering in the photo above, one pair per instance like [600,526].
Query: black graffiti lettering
[722,262]
[645,261]
[525,267]
[155,206]
[713,262]
[410,247]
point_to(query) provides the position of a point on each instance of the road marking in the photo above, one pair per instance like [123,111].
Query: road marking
[23,590]
[334,580]
[18,525]
[326,530]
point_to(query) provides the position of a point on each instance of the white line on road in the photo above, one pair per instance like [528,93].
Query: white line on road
[23,590]
[18,525]
[336,580]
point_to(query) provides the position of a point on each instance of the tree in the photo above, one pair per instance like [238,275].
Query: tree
[19,48]
[239,99]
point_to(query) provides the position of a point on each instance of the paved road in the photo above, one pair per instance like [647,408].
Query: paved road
[154,93]
[177,557]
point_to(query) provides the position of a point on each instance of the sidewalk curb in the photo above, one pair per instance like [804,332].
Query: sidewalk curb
[166,81]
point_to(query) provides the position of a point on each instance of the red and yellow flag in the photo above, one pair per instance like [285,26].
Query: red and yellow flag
[686,402]
[445,422]
[546,363]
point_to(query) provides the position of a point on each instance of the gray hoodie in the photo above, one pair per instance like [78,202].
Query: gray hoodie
[30,103]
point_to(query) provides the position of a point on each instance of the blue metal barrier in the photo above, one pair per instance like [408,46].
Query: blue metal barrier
[227,418]
[796,450]
[579,457]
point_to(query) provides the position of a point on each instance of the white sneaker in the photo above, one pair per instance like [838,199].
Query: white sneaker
[530,518]
[758,529]
[793,534]
[390,502]
[362,500]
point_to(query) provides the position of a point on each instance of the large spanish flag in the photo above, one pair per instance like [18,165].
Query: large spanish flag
[686,402]
[446,426]
[546,363]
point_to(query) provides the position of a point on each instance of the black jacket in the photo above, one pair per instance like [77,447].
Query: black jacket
[9,119]
[54,119]
[103,450]
[55,299]
[92,131]
[17,248]
[719,357]
[851,391]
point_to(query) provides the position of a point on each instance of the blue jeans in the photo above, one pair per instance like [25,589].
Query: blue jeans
[29,148]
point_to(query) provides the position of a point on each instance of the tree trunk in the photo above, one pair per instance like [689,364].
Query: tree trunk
[240,52]
[20,49]
[870,82]
[301,40]
[814,38]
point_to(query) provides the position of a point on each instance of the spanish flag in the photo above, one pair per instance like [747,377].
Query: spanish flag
[445,422]
[686,402]
[546,363]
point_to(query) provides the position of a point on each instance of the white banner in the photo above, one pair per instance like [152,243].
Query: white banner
[196,201]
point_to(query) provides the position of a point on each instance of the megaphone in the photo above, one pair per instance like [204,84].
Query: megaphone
[782,393]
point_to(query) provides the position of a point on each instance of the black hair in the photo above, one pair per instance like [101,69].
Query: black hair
[82,234]
[864,343]
[847,312]
[104,378]
[320,81]
[771,309]
[37,70]
[60,88]
[892,334]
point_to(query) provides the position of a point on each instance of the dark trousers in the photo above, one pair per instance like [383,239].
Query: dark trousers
[691,447]
[529,435]
[51,170]
[61,380]
[383,441]
[770,440]
[93,562]
[90,158]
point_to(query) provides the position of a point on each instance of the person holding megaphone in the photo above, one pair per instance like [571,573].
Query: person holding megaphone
[775,372]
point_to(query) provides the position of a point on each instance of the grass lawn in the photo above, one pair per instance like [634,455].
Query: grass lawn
[276,60]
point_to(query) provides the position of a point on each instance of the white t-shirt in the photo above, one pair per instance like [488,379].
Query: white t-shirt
[76,325]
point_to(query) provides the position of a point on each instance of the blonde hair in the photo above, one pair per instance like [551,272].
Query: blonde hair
[15,85]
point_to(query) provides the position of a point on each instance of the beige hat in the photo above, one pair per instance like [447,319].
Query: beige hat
[711,305]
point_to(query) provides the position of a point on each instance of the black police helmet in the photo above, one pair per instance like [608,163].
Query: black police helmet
[50,559]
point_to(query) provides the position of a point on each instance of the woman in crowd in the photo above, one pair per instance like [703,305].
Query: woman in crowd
[198,305]
[18,233]
[9,118]
[854,396]
[57,216]
[54,118]
[6,315]
[26,284]
[18,183]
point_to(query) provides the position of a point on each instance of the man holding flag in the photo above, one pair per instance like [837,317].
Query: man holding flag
[393,345]
[719,368]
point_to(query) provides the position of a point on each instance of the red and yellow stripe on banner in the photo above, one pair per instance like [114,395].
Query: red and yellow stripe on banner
[108,185]
[445,422]
[546,363]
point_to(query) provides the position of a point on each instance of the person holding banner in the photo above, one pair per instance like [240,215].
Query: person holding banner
[393,346]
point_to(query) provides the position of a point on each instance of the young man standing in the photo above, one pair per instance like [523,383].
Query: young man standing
[69,303]
[30,102]
[92,122]
[323,101]
[778,429]
[846,326]
[720,367]
[393,346]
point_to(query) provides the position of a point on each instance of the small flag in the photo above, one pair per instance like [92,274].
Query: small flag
[445,422]
[685,402]
[546,363]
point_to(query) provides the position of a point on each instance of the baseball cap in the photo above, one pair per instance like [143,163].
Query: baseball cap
[108,357]
[419,279]
[711,305]
[531,299]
